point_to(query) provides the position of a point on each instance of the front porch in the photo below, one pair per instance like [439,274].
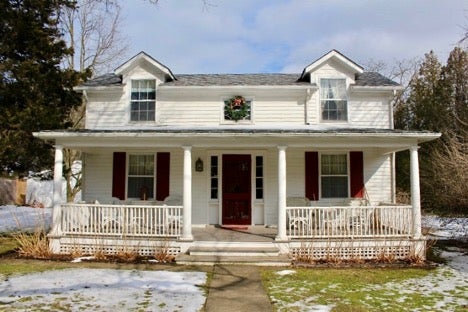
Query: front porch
[319,233]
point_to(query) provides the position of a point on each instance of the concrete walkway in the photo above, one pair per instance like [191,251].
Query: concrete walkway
[237,288]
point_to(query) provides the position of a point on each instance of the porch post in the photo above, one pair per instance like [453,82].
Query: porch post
[57,195]
[281,236]
[415,192]
[187,210]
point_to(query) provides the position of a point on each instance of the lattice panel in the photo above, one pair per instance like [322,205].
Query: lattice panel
[351,252]
[90,249]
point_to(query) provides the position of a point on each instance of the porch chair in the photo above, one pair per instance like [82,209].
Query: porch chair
[301,220]
[78,219]
[170,219]
[111,217]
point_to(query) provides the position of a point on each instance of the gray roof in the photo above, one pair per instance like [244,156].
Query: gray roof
[236,80]
[372,79]
[110,79]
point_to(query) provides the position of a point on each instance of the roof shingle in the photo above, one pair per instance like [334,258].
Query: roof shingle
[371,79]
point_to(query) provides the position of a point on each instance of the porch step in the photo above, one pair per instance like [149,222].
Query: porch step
[281,260]
[233,251]
[246,255]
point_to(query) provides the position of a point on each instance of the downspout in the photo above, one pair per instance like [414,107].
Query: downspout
[306,106]
[393,155]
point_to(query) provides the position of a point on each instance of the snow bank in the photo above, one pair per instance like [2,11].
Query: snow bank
[448,228]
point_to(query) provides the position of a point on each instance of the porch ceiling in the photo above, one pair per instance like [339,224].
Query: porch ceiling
[245,137]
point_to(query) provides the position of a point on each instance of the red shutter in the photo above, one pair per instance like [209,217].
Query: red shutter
[162,179]
[357,174]
[312,175]
[118,175]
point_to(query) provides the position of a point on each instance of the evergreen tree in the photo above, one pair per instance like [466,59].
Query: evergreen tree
[35,92]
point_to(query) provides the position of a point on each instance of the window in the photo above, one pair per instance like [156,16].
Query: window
[141,176]
[333,100]
[214,177]
[143,100]
[237,108]
[259,177]
[334,176]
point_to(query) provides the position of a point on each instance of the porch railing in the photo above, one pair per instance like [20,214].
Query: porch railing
[349,222]
[120,220]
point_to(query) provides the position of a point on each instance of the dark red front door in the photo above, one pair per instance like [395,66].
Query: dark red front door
[236,189]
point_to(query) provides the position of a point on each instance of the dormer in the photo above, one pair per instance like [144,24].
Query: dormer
[143,65]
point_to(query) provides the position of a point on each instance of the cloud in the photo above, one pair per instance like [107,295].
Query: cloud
[239,36]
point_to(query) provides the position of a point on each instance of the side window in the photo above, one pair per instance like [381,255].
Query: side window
[259,177]
[333,100]
[143,100]
[214,177]
[237,108]
[334,175]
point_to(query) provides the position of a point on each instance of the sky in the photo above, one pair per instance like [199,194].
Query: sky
[276,36]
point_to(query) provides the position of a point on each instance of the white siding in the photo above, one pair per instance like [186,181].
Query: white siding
[105,110]
[377,176]
[98,176]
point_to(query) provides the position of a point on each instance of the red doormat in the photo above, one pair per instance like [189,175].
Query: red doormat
[235,227]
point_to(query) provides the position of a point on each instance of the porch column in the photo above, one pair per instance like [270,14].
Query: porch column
[187,210]
[415,192]
[57,195]
[281,236]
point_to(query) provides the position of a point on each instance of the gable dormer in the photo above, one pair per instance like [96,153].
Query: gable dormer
[141,75]
[333,64]
[144,65]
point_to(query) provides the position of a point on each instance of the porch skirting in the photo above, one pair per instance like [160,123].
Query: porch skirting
[331,250]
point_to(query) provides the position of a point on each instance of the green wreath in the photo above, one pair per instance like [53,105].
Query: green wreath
[236,108]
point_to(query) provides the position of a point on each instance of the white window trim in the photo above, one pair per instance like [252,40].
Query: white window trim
[127,170]
[128,96]
[319,106]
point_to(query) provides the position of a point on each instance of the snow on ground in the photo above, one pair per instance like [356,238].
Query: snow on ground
[446,228]
[25,218]
[103,290]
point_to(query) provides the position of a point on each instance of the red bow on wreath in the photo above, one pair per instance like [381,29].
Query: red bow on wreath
[237,102]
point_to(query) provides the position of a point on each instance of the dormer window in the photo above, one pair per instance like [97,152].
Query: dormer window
[143,100]
[333,100]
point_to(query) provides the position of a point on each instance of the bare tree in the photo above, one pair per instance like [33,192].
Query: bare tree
[92,30]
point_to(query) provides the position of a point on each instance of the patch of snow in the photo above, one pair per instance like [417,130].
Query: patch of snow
[448,228]
[14,218]
[104,290]
[80,259]
[286,272]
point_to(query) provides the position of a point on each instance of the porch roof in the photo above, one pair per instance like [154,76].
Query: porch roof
[238,136]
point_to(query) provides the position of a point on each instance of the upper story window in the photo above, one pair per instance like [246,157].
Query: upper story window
[143,100]
[237,108]
[334,106]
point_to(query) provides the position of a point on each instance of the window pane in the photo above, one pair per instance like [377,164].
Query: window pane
[136,184]
[334,187]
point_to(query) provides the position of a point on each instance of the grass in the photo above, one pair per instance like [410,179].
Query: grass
[359,290]
[7,244]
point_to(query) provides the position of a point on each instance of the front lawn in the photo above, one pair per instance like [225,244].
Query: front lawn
[376,289]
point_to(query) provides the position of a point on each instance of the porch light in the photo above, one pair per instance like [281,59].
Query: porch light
[199,165]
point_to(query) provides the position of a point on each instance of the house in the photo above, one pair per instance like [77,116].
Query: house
[310,156]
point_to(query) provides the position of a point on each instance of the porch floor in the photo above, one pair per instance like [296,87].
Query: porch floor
[253,233]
